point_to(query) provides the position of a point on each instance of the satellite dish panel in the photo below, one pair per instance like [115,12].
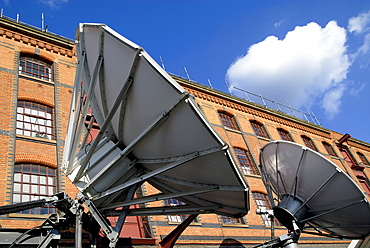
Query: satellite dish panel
[313,192]
[151,130]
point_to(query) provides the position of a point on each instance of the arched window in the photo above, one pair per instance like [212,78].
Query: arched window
[228,121]
[284,135]
[246,162]
[35,68]
[308,142]
[34,182]
[329,149]
[259,129]
[35,120]
[262,202]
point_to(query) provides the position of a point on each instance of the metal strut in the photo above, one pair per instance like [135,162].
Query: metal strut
[170,240]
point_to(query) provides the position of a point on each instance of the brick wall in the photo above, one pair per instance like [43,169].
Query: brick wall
[210,230]
[57,94]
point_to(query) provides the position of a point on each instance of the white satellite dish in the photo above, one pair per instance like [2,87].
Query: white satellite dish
[151,130]
[310,192]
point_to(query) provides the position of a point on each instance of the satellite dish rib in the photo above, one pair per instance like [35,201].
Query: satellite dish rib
[151,130]
[311,194]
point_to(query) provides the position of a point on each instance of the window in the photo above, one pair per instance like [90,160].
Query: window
[262,202]
[232,221]
[34,182]
[329,149]
[176,218]
[356,169]
[35,120]
[347,156]
[259,129]
[308,142]
[363,158]
[35,68]
[285,135]
[361,177]
[246,162]
[228,121]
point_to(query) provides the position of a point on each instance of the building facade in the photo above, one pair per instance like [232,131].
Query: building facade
[247,127]
[37,74]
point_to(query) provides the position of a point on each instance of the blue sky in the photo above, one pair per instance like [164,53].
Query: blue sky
[313,54]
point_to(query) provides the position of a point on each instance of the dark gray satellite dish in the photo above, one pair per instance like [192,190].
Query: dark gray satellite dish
[310,194]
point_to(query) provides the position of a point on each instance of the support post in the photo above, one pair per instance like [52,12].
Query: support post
[170,240]
[78,230]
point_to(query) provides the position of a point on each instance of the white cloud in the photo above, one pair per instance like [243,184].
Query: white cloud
[332,101]
[359,24]
[52,3]
[278,24]
[308,64]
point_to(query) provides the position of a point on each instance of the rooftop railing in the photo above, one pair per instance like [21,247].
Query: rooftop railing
[265,102]
[34,27]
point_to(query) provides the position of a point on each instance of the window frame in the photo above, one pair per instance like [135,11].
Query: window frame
[29,182]
[35,119]
[357,170]
[329,149]
[363,158]
[249,167]
[36,68]
[308,142]
[228,121]
[177,218]
[284,134]
[231,221]
[259,129]
[262,201]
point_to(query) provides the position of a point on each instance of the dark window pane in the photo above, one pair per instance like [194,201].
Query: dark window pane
[309,143]
[285,135]
[228,121]
[259,129]
[329,149]
[363,158]
[246,162]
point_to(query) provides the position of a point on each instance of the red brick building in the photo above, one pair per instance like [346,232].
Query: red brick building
[37,74]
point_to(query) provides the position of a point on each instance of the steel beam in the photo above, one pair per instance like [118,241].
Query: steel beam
[108,118]
[158,197]
[170,240]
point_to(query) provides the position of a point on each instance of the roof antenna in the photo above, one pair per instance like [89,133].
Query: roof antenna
[210,84]
[164,68]
[228,88]
[187,74]
[42,22]
[2,12]
[17,17]
[290,107]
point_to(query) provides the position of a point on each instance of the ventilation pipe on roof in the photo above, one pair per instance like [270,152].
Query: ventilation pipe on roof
[344,138]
